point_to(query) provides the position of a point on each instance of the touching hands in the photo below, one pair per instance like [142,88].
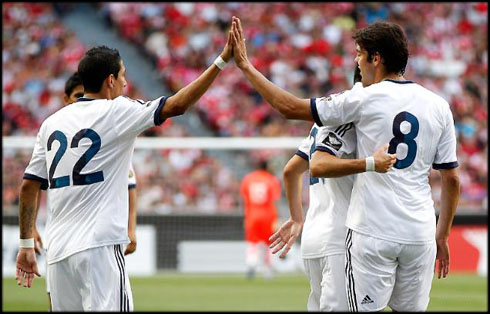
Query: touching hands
[239,48]
[383,161]
[228,50]
[285,237]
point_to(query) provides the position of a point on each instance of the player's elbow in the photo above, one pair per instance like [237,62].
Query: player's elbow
[318,170]
[174,107]
[450,178]
[451,181]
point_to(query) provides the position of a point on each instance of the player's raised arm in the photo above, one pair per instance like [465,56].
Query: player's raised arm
[287,234]
[26,264]
[325,165]
[187,96]
[286,103]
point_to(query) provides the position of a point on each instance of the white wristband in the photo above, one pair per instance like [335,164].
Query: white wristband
[370,163]
[26,243]
[219,62]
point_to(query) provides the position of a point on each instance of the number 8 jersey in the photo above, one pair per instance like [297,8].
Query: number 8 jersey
[418,124]
[82,157]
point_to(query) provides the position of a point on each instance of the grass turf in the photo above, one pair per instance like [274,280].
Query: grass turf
[179,292]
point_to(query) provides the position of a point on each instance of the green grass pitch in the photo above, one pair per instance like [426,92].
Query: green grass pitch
[178,292]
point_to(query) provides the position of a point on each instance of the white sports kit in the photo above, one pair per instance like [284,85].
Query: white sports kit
[83,154]
[131,185]
[323,236]
[395,208]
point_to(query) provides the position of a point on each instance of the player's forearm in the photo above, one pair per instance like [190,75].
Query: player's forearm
[449,201]
[324,165]
[29,193]
[132,212]
[188,95]
[292,174]
[286,103]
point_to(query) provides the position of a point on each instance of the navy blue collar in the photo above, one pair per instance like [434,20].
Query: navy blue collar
[85,99]
[398,82]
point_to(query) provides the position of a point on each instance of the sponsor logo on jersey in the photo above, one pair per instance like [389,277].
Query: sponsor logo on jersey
[333,141]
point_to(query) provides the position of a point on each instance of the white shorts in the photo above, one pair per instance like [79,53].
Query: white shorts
[91,280]
[326,275]
[381,273]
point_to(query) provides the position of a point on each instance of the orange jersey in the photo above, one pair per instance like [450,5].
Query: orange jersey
[260,190]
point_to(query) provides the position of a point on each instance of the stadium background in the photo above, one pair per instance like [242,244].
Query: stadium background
[305,48]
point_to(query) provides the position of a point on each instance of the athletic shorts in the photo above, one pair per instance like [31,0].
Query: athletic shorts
[381,273]
[326,275]
[92,280]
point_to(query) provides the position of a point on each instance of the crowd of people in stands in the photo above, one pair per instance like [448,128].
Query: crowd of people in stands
[39,54]
[306,48]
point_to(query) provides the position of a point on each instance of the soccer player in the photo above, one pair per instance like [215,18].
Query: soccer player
[82,153]
[323,235]
[393,241]
[73,91]
[260,190]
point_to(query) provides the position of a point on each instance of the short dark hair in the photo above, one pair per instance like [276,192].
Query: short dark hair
[357,74]
[72,82]
[389,41]
[263,164]
[96,65]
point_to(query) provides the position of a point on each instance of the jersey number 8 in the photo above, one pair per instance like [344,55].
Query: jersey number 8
[78,179]
[408,139]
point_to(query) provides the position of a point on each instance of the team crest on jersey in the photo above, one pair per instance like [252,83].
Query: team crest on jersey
[333,141]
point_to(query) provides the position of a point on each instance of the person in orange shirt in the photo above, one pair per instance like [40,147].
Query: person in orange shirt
[260,190]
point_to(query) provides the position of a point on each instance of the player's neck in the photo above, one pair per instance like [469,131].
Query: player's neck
[103,94]
[392,76]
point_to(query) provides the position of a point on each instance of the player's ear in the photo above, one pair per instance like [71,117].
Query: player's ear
[110,80]
[66,99]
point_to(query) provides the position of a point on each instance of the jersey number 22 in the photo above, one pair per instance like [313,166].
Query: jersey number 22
[78,179]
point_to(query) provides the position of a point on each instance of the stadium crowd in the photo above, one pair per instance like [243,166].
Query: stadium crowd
[39,55]
[307,48]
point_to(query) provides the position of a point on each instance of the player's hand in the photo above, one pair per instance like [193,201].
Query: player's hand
[285,237]
[239,48]
[442,258]
[131,246]
[227,53]
[26,267]
[38,243]
[382,160]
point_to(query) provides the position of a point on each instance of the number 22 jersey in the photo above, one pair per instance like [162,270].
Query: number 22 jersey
[418,125]
[82,157]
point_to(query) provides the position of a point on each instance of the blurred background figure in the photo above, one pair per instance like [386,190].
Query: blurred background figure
[260,190]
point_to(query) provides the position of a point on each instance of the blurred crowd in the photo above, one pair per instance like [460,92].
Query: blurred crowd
[306,48]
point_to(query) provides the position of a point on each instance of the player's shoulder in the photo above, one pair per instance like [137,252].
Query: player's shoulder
[128,100]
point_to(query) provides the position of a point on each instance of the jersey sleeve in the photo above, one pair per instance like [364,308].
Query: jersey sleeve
[446,148]
[131,117]
[304,149]
[338,141]
[37,168]
[131,178]
[338,108]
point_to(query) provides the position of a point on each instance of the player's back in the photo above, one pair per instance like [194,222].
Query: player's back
[84,150]
[417,124]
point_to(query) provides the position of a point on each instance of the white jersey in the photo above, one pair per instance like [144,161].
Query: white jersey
[324,229]
[418,124]
[83,153]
